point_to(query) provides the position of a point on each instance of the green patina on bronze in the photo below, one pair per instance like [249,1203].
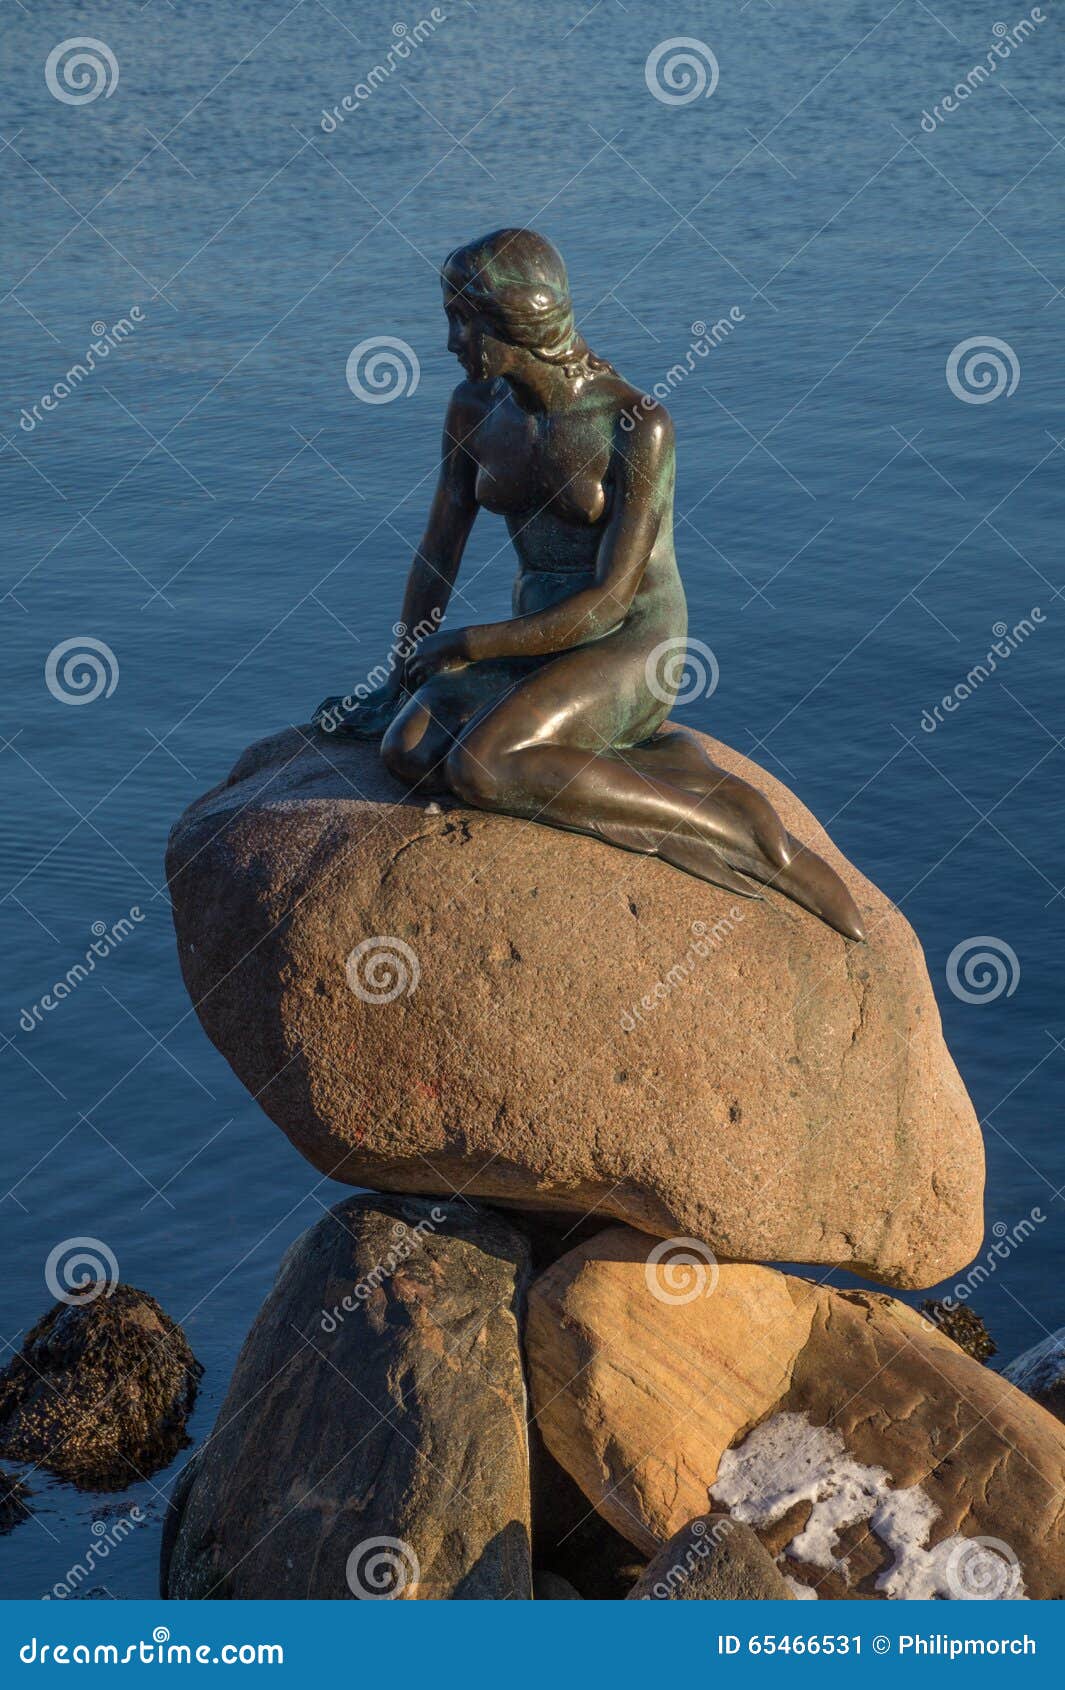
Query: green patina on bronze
[557,714]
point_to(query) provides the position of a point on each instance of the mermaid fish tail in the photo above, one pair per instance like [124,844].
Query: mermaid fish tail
[767,854]
[694,856]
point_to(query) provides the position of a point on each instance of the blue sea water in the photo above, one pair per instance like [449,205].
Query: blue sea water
[217,509]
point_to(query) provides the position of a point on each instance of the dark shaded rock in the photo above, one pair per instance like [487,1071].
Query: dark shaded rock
[550,1233]
[373,1440]
[100,1391]
[179,1495]
[571,1541]
[964,1326]
[1040,1373]
[548,1587]
[14,1502]
[714,1559]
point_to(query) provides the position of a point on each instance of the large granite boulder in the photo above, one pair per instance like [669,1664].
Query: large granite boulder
[427,999]
[373,1441]
[101,1389]
[869,1453]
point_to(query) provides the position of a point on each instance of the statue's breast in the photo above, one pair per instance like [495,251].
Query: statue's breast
[529,468]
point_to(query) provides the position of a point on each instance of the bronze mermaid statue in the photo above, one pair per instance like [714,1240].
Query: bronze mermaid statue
[556,715]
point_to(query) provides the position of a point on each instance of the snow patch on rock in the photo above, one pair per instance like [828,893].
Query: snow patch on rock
[786,1460]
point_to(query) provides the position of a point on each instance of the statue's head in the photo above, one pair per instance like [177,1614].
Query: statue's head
[506,293]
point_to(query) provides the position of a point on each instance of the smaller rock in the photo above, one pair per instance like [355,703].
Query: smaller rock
[549,1587]
[373,1442]
[1040,1373]
[713,1559]
[14,1504]
[100,1391]
[964,1326]
[842,1426]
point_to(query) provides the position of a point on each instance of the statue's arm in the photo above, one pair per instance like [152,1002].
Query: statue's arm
[451,516]
[366,712]
[643,480]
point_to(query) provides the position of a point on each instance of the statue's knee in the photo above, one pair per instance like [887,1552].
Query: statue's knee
[471,775]
[403,751]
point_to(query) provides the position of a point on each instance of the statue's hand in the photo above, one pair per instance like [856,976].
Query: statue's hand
[352,717]
[444,650]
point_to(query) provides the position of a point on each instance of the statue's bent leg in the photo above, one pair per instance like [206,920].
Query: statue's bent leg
[418,740]
[415,749]
[545,752]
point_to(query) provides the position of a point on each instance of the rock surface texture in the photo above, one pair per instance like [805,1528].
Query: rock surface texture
[869,1453]
[715,1559]
[1040,1373]
[100,1392]
[428,999]
[373,1441]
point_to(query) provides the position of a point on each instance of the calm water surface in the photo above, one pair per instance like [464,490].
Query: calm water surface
[219,510]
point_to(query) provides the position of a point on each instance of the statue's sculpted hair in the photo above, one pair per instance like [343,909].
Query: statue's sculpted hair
[516,280]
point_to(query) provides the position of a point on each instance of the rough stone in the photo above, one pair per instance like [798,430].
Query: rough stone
[428,999]
[713,1559]
[373,1440]
[862,1444]
[101,1390]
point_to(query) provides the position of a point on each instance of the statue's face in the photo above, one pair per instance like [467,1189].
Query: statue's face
[481,354]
